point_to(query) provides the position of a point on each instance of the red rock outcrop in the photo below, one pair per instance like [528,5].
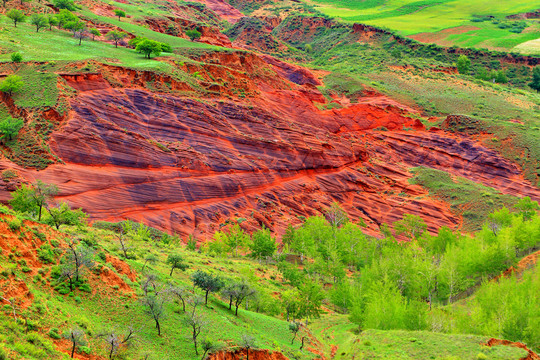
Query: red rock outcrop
[186,166]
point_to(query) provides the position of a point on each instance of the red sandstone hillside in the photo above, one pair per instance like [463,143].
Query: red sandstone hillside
[186,166]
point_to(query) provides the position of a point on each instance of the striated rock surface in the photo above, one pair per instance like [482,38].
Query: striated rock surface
[187,166]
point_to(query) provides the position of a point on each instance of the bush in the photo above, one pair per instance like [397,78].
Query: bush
[16,57]
[46,254]
[15,224]
[481,356]
[53,334]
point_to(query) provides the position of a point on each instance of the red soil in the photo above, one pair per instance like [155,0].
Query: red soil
[224,9]
[253,354]
[184,165]
[440,36]
[531,354]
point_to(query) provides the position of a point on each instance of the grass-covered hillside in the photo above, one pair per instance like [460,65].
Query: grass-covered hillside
[501,25]
[269,180]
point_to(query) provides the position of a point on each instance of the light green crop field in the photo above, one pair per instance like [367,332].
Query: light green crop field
[444,19]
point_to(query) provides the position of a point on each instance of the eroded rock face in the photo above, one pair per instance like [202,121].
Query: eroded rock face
[186,165]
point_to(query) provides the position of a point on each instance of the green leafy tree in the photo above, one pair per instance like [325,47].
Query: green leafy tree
[16,15]
[177,262]
[463,64]
[64,215]
[263,245]
[65,16]
[75,26]
[149,47]
[94,32]
[10,127]
[11,84]
[53,21]
[235,239]
[193,34]
[191,244]
[119,13]
[116,36]
[207,282]
[535,83]
[31,199]
[39,21]
[311,297]
[16,57]
[65,4]
[412,226]
[527,207]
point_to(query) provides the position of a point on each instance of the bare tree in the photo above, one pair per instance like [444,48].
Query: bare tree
[115,341]
[336,216]
[125,244]
[181,293]
[76,337]
[196,321]
[247,342]
[80,256]
[154,302]
[68,272]
[13,305]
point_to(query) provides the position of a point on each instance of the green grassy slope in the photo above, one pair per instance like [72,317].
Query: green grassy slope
[412,17]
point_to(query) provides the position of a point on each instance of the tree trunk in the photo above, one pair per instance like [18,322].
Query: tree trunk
[195,342]
[158,328]
[39,216]
[73,348]
[230,302]
[172,269]
[206,298]
[236,313]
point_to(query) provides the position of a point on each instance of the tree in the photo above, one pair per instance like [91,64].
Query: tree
[527,207]
[53,21]
[10,127]
[411,225]
[463,64]
[238,292]
[125,245]
[80,257]
[294,327]
[16,15]
[65,4]
[76,337]
[154,304]
[206,282]
[177,262]
[11,84]
[311,296]
[193,34]
[75,26]
[65,16]
[119,13]
[535,83]
[208,346]
[149,259]
[39,21]
[16,57]
[181,293]
[64,215]
[236,238]
[247,342]
[196,322]
[33,198]
[290,302]
[149,47]
[115,341]
[94,32]
[336,216]
[116,36]
[263,245]
[191,244]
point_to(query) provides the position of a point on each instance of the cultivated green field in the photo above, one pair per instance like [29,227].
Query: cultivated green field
[456,22]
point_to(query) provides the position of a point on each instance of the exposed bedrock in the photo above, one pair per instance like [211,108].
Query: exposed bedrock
[186,166]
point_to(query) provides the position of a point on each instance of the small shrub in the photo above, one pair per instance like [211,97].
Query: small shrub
[53,334]
[481,356]
[15,224]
